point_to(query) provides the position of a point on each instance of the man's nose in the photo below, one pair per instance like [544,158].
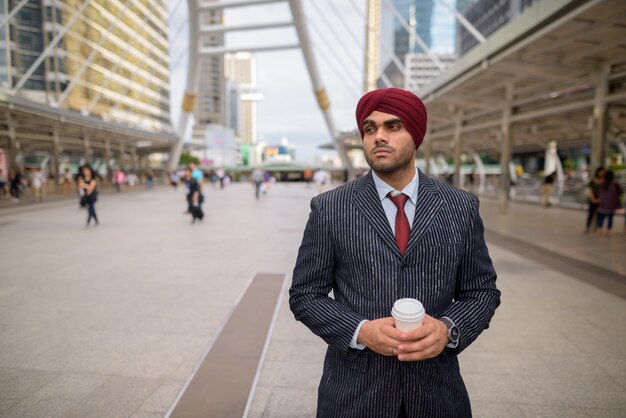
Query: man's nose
[381,135]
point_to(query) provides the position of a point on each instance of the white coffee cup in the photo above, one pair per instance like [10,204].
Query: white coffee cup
[408,314]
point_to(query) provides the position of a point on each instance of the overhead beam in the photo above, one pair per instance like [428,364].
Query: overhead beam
[225,50]
[234,3]
[209,29]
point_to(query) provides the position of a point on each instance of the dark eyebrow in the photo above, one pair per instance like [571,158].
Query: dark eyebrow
[388,122]
[393,121]
[369,122]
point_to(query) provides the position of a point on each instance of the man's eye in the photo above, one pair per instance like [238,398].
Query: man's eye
[369,130]
[394,126]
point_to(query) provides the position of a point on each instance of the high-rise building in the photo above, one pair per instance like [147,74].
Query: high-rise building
[372,45]
[487,16]
[421,69]
[112,62]
[241,70]
[211,106]
[418,14]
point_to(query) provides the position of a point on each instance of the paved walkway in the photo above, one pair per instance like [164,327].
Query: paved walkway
[112,320]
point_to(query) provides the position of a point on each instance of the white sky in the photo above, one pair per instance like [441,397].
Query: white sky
[289,108]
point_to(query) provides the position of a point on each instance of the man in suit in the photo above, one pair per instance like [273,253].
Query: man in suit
[359,244]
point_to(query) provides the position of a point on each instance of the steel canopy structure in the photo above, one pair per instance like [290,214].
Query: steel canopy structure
[556,73]
[195,51]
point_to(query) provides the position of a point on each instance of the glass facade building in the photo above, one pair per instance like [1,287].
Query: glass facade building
[112,62]
[418,14]
[487,16]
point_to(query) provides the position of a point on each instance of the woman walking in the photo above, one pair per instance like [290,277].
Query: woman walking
[609,201]
[89,185]
[593,195]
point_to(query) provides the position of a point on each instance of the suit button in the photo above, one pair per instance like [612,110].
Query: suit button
[404,267]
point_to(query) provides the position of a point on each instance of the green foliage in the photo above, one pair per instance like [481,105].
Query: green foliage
[186,159]
[569,164]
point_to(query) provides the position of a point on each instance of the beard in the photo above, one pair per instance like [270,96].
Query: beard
[395,161]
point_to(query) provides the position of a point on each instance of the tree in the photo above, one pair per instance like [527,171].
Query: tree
[186,159]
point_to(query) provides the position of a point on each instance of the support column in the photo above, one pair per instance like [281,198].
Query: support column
[299,21]
[428,152]
[107,158]
[121,156]
[56,153]
[458,147]
[191,88]
[86,147]
[600,119]
[135,162]
[14,144]
[506,143]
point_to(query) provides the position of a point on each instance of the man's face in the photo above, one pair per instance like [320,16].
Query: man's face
[387,145]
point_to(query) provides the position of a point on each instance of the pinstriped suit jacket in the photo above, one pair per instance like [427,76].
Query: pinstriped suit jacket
[348,248]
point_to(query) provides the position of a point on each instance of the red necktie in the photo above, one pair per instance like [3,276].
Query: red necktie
[402,222]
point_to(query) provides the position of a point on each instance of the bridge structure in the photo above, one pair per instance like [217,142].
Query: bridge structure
[46,121]
[554,76]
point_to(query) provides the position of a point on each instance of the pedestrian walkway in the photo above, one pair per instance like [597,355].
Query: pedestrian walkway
[113,320]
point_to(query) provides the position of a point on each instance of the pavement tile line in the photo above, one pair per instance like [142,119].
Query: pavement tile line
[224,381]
[203,357]
[268,340]
[604,279]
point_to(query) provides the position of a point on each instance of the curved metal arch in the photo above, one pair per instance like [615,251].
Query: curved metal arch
[191,90]
[191,86]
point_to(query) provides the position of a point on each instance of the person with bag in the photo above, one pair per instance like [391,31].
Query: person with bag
[609,202]
[194,197]
[593,194]
[88,188]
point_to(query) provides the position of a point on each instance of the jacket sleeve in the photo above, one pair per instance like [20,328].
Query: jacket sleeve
[476,296]
[313,280]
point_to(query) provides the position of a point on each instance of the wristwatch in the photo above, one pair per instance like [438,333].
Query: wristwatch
[453,332]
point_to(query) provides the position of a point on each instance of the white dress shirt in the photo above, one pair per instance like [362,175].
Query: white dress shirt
[383,189]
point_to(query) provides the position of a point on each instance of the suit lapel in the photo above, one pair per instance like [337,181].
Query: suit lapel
[367,202]
[428,204]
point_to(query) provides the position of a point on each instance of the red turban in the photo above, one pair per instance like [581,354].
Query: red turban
[401,103]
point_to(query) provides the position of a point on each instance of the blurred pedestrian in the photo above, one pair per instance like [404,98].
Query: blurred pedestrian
[149,179]
[593,196]
[3,182]
[194,197]
[88,184]
[609,202]
[196,173]
[15,184]
[320,178]
[131,180]
[67,181]
[220,173]
[258,178]
[173,176]
[119,178]
[548,183]
[37,182]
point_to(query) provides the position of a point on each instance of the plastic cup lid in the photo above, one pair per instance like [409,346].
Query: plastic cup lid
[408,308]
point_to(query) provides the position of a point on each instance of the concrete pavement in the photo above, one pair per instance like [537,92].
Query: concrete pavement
[112,320]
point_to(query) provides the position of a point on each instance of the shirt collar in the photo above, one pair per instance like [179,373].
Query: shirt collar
[410,189]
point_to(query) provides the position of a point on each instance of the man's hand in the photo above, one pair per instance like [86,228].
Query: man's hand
[380,336]
[425,342]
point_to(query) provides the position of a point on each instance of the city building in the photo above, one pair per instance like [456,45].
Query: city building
[415,49]
[418,14]
[372,45]
[281,152]
[102,58]
[240,73]
[211,106]
[420,69]
[486,16]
